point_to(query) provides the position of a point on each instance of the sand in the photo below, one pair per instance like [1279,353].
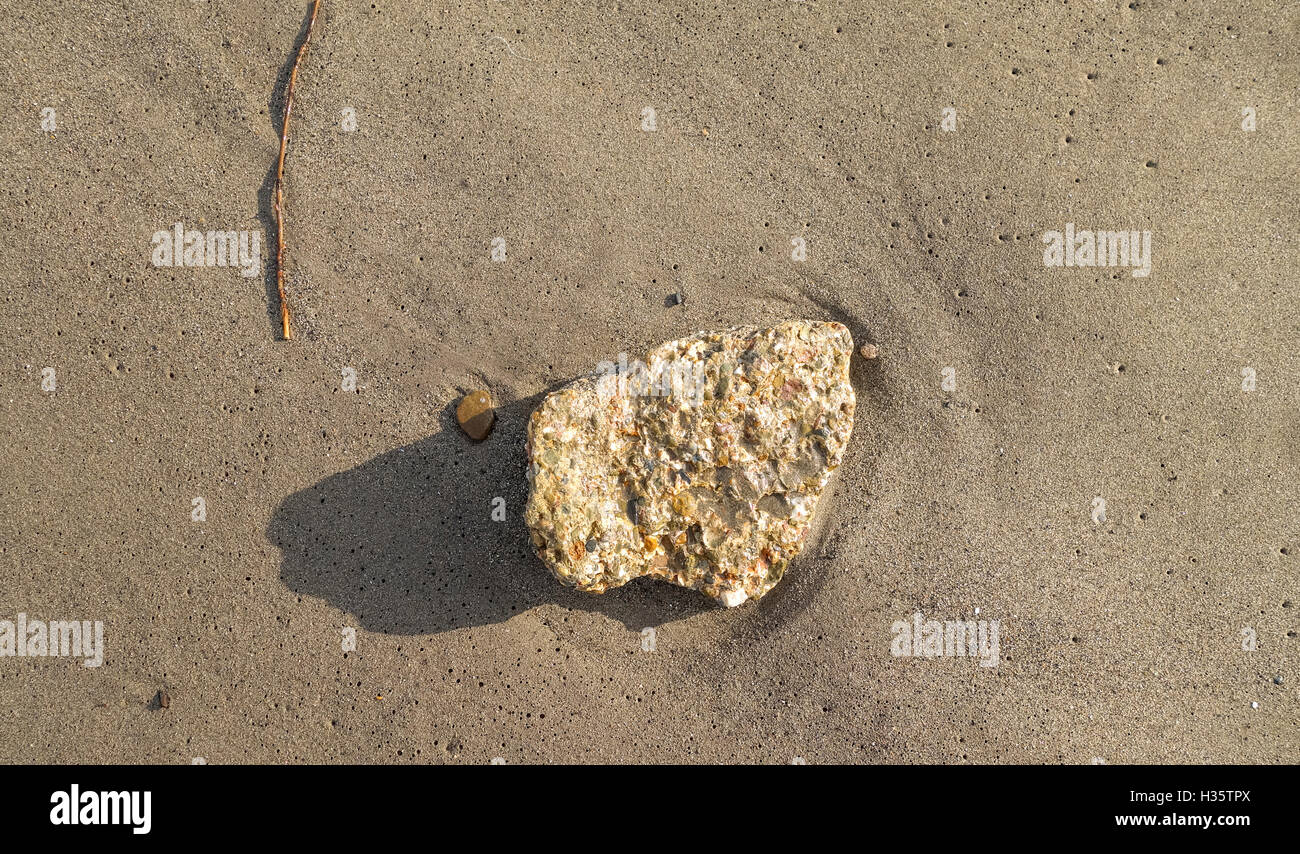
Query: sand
[348,596]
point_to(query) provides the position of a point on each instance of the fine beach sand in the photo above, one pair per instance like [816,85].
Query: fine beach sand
[1121,639]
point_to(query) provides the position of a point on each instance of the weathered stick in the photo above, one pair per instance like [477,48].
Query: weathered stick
[279,175]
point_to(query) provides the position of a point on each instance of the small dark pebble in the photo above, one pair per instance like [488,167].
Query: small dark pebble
[164,700]
[1278,680]
[675,299]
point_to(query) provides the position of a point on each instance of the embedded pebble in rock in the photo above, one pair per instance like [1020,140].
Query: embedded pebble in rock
[701,466]
[476,415]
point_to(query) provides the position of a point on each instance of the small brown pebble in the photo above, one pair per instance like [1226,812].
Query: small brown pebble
[476,415]
[869,351]
[164,700]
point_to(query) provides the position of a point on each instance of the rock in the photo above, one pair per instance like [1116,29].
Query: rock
[702,466]
[675,298]
[869,351]
[476,415]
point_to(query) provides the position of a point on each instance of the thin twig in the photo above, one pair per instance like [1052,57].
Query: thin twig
[279,175]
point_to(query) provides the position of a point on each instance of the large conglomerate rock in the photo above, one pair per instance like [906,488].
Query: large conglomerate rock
[701,466]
